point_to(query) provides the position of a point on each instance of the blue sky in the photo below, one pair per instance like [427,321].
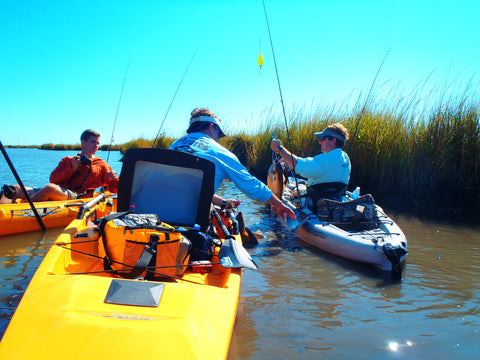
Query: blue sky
[63,62]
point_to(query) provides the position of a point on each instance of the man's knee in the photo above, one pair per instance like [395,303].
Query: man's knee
[60,192]
[53,192]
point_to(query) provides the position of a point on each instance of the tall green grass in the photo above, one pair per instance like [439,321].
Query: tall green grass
[403,147]
[422,148]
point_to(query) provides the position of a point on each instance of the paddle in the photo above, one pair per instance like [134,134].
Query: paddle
[294,225]
[10,164]
[232,254]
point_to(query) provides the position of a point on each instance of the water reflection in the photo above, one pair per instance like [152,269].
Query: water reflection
[20,256]
[305,303]
[308,304]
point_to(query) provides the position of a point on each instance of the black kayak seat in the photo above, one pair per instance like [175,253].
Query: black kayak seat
[330,190]
[175,185]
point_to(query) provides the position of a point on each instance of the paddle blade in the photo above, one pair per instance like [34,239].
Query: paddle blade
[233,255]
[294,225]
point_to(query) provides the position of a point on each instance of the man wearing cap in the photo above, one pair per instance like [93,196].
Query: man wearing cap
[202,140]
[329,169]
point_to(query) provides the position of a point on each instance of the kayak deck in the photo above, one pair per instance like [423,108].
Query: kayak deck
[20,218]
[78,307]
[361,245]
[377,240]
[194,318]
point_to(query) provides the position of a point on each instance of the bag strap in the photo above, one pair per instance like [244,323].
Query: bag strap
[107,264]
[104,220]
[146,259]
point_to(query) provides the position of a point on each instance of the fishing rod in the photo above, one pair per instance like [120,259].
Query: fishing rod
[281,96]
[118,107]
[27,196]
[360,115]
[174,95]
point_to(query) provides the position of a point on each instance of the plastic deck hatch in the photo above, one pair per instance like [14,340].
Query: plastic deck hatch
[134,293]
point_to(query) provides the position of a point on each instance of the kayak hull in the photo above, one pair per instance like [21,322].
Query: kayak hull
[365,246]
[20,218]
[65,312]
[379,241]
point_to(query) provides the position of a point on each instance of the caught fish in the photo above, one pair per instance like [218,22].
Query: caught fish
[275,179]
[249,239]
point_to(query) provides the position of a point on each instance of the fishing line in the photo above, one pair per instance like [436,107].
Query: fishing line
[360,115]
[281,96]
[118,107]
[171,102]
[276,71]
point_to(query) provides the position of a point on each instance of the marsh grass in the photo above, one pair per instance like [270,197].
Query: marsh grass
[401,149]
[416,149]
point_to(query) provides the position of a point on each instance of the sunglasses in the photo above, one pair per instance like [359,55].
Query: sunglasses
[325,138]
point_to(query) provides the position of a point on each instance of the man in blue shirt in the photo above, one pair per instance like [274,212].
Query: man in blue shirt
[202,140]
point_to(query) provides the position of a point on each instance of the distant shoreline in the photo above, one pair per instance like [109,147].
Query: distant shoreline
[405,158]
[63,147]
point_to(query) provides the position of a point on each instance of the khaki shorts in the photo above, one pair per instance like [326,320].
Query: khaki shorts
[72,195]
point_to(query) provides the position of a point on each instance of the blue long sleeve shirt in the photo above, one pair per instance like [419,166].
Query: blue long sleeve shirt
[227,165]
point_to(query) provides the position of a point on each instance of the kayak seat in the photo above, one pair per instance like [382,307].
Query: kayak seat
[331,190]
[176,186]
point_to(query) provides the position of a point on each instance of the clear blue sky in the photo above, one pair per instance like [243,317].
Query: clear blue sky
[63,62]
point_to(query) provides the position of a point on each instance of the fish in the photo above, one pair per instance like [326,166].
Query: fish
[249,239]
[275,178]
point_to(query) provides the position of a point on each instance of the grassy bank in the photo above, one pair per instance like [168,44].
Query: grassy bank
[402,151]
[403,156]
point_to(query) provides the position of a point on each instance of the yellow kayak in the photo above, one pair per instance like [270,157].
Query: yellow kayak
[64,313]
[86,303]
[20,218]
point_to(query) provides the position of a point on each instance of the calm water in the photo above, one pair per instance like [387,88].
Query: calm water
[304,303]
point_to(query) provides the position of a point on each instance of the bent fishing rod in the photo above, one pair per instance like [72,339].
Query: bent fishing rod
[118,107]
[281,96]
[174,96]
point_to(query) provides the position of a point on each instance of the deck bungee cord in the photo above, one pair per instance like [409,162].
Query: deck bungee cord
[128,267]
[118,107]
[173,98]
[226,258]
